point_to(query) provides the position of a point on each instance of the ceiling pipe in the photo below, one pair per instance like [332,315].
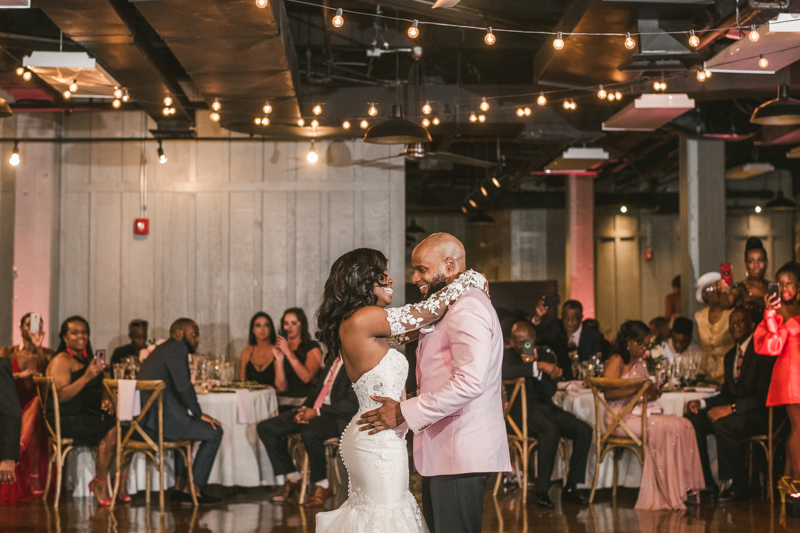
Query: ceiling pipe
[781,5]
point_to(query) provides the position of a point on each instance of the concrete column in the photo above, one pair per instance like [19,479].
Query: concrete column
[702,214]
[580,242]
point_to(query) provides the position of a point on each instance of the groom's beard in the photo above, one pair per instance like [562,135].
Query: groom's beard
[438,283]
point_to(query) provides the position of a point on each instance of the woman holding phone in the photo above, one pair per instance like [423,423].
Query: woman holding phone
[87,414]
[300,356]
[779,335]
[749,293]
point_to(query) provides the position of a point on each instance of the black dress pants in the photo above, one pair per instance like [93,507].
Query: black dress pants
[273,433]
[454,504]
[549,424]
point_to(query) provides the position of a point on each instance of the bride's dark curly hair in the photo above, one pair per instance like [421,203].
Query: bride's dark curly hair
[349,288]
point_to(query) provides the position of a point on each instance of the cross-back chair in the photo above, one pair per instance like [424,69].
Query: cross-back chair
[520,443]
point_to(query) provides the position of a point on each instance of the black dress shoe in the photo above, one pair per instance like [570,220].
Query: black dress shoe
[180,496]
[543,500]
[205,499]
[570,495]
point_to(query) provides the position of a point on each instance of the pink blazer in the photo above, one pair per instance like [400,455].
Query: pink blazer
[457,418]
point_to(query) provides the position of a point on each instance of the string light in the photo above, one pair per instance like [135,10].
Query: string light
[20,71]
[267,109]
[694,40]
[520,112]
[701,75]
[372,111]
[602,93]
[558,42]
[436,121]
[14,160]
[312,156]
[338,19]
[484,191]
[346,124]
[623,209]
[263,121]
[473,203]
[489,39]
[317,110]
[257,121]
[125,95]
[496,182]
[426,109]
[214,116]
[215,105]
[413,31]
[67,95]
[262,3]
[484,104]
[116,103]
[630,43]
[542,100]
[315,123]
[364,124]
[754,35]
[527,111]
[619,95]
[73,87]
[762,61]
[481,118]
[611,97]
[473,117]
[660,86]
[758,209]
[117,92]
[301,122]
[165,111]
[464,209]
[426,122]
[162,157]
[27,75]
[168,100]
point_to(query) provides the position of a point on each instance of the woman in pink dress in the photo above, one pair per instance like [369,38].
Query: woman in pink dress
[672,475]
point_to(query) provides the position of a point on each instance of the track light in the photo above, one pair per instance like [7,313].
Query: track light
[14,160]
[484,104]
[346,124]
[214,116]
[27,75]
[364,124]
[372,111]
[473,117]
[312,156]
[762,61]
[262,3]
[754,35]
[116,103]
[694,40]
[496,182]
[630,43]
[215,105]
[267,108]
[484,191]
[558,42]
[489,39]
[436,121]
[413,31]
[338,19]
[73,87]
[602,93]
[464,209]
[168,100]
[162,158]
[426,109]
[473,203]
[317,110]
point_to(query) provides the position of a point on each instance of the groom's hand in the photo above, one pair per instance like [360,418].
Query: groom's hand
[387,416]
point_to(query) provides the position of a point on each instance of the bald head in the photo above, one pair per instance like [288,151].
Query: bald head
[437,261]
[186,331]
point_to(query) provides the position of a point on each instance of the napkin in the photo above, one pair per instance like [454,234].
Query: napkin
[651,410]
[705,389]
[244,407]
[129,403]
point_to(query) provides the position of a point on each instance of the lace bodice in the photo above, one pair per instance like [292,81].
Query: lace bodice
[387,379]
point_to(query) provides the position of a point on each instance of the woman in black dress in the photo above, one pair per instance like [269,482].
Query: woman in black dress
[256,362]
[87,414]
[298,354]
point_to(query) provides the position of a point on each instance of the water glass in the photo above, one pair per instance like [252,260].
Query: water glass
[119,371]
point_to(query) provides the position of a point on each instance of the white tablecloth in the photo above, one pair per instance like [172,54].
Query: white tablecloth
[630,472]
[241,460]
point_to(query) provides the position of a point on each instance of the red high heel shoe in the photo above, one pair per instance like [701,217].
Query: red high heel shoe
[124,498]
[104,503]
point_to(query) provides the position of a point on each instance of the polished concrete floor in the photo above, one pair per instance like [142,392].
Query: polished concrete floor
[249,511]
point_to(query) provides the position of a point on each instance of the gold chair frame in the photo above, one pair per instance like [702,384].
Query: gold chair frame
[768,443]
[301,459]
[520,443]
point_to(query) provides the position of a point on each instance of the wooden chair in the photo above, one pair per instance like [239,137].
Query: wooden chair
[301,459]
[518,440]
[129,443]
[58,447]
[768,443]
[607,441]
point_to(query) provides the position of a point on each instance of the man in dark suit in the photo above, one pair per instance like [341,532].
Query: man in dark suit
[183,418]
[738,412]
[10,423]
[546,421]
[568,335]
[324,415]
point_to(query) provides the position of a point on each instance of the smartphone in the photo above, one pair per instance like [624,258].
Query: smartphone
[773,290]
[100,354]
[726,273]
[552,301]
[528,349]
[282,333]
[36,323]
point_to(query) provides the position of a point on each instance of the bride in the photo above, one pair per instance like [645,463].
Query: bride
[354,323]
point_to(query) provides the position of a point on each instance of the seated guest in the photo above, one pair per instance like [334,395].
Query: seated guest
[10,424]
[137,333]
[299,355]
[324,415]
[568,336]
[712,327]
[87,414]
[546,421]
[659,327]
[738,412]
[257,358]
[680,344]
[594,324]
[183,418]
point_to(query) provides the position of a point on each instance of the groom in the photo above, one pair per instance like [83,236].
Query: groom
[457,416]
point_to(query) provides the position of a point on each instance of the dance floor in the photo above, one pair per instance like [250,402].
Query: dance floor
[249,511]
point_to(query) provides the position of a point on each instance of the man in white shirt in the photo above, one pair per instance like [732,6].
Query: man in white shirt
[680,342]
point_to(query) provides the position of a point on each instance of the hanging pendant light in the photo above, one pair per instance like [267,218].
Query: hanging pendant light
[482,218]
[397,130]
[781,203]
[782,111]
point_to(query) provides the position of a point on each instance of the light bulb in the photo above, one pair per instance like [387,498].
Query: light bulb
[338,19]
[758,209]
[611,97]
[73,87]
[364,124]
[20,71]
[426,109]
[215,105]
[694,40]
[701,75]
[125,95]
[312,155]
[257,121]
[484,105]
[619,95]
[623,209]
[372,110]
[346,124]
[317,110]
[436,121]
[262,3]
[527,111]
[116,103]
[67,95]
[267,108]
[314,123]
[602,93]
[171,110]
[473,117]
[630,43]
[566,104]
[754,35]
[762,61]
[558,42]
[413,31]
[301,122]
[168,100]
[117,92]
[489,39]
[484,191]
[464,209]
[214,116]
[265,121]
[520,112]
[14,160]
[481,118]
[542,100]
[573,106]
[473,203]
[162,158]
[165,111]
[496,182]
[426,122]
[27,75]
[660,86]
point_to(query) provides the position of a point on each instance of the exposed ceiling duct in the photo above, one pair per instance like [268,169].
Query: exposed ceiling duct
[769,54]
[575,158]
[61,69]
[748,170]
[649,112]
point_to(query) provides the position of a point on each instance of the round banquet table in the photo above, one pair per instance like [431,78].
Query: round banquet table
[581,404]
[241,460]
